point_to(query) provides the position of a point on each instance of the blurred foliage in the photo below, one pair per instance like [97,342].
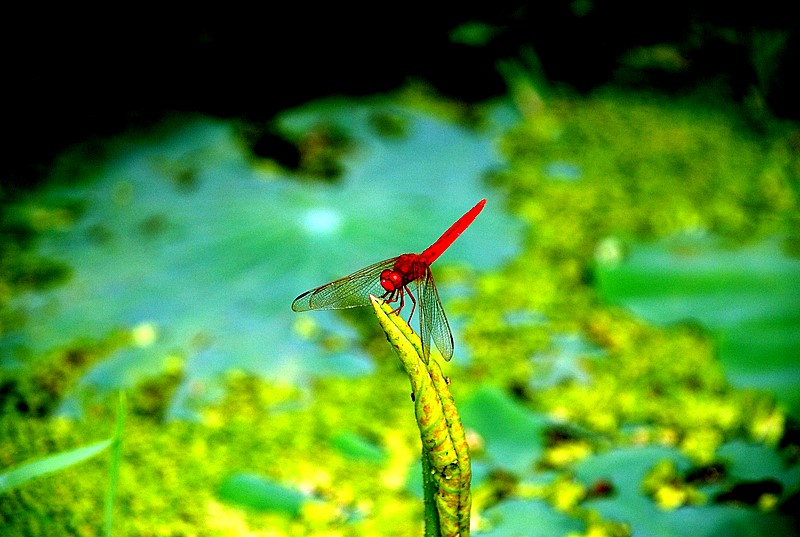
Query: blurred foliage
[640,168]
[749,298]
[582,417]
[188,203]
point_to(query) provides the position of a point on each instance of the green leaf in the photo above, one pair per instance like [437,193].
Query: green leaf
[261,494]
[755,462]
[748,297]
[473,33]
[355,446]
[53,463]
[564,361]
[625,469]
[514,436]
[514,518]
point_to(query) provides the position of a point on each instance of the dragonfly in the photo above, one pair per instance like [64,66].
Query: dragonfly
[391,280]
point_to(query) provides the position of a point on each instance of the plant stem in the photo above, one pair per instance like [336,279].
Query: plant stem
[445,454]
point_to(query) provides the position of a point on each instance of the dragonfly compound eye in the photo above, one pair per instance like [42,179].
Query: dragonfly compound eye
[391,280]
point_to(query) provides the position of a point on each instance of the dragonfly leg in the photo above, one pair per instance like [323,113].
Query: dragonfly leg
[402,302]
[389,296]
[413,307]
[394,296]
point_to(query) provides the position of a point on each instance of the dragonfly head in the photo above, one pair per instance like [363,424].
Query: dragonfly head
[391,280]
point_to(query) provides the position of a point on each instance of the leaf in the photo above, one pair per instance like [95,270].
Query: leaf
[564,361]
[715,520]
[355,446]
[754,462]
[473,33]
[261,494]
[749,298]
[625,469]
[53,463]
[529,518]
[514,436]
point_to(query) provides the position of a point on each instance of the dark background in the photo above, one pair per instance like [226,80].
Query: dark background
[71,77]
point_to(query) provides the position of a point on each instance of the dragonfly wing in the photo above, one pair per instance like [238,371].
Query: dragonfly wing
[432,320]
[348,292]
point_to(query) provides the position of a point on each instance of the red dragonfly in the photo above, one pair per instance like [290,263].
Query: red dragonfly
[390,280]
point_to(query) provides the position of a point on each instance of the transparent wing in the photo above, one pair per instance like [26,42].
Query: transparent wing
[348,292]
[432,320]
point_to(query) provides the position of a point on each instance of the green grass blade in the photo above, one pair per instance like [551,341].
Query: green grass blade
[53,463]
[116,450]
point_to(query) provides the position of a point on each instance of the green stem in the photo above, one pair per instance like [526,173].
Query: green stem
[429,497]
[445,454]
